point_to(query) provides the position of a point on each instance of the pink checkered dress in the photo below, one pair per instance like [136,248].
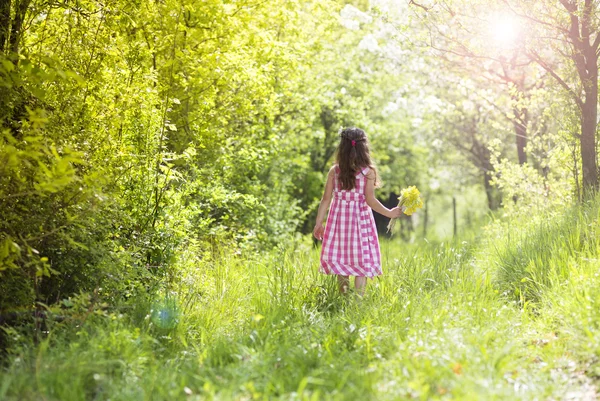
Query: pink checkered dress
[350,243]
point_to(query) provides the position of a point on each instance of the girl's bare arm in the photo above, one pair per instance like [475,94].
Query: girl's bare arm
[374,203]
[326,199]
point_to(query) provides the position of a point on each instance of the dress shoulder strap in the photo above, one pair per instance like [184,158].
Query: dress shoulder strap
[365,171]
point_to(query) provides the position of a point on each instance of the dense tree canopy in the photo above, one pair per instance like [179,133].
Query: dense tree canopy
[162,163]
[132,130]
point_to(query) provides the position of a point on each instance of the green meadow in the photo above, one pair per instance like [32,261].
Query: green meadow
[162,163]
[509,315]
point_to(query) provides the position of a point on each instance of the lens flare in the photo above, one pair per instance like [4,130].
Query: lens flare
[165,314]
[504,30]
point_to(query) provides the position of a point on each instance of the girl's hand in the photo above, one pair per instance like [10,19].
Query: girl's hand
[318,232]
[395,213]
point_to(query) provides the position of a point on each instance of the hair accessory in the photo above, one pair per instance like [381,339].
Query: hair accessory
[353,143]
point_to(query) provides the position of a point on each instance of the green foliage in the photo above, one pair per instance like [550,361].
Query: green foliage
[161,161]
[130,131]
[268,326]
[533,257]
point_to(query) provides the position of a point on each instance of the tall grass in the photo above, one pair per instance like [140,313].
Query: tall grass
[512,316]
[530,258]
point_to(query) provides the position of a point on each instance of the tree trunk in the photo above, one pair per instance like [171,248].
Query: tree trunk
[425,217]
[454,222]
[520,124]
[485,164]
[492,193]
[589,120]
[576,172]
[586,60]
[17,25]
[587,142]
[4,23]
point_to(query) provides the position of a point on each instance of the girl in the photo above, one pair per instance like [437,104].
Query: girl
[350,243]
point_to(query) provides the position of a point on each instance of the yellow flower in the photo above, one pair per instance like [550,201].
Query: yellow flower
[410,198]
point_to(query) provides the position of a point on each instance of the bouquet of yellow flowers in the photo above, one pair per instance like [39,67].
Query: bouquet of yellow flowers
[410,200]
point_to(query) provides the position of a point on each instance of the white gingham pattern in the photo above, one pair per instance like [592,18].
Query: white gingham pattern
[350,243]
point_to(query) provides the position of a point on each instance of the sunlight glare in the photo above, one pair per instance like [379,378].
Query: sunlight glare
[504,30]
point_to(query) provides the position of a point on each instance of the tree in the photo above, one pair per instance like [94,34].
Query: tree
[11,24]
[569,34]
[577,28]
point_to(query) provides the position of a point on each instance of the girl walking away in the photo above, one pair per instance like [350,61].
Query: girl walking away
[350,242]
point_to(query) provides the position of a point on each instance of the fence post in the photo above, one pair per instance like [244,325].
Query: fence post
[454,214]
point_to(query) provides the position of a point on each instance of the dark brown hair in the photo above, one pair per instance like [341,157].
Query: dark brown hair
[353,156]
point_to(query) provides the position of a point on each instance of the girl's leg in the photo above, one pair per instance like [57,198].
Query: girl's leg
[343,283]
[360,283]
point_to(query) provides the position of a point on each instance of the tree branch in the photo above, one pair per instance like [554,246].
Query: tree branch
[558,79]
[571,8]
[533,19]
[412,2]
[574,33]
[596,43]
[504,114]
[260,3]
[586,20]
[467,53]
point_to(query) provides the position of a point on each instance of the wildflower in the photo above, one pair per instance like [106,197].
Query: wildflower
[410,200]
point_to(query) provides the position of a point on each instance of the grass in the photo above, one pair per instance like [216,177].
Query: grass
[512,315]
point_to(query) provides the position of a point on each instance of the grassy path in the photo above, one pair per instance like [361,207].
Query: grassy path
[511,316]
